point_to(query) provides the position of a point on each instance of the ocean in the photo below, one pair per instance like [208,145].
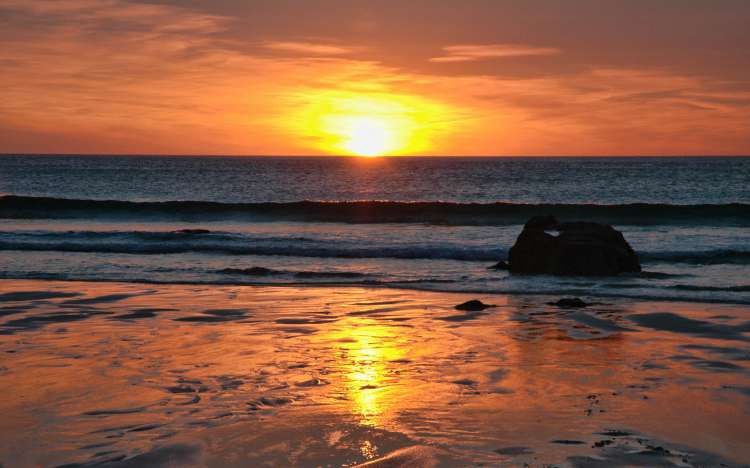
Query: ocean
[429,223]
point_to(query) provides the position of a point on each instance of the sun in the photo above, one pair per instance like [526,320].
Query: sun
[367,136]
[348,122]
[363,125]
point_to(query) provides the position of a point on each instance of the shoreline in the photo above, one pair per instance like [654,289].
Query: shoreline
[400,286]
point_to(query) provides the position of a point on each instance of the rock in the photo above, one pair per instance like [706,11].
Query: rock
[502,265]
[580,249]
[252,271]
[465,382]
[570,302]
[473,306]
[541,222]
[193,231]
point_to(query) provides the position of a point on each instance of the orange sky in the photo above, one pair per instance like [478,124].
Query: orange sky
[452,77]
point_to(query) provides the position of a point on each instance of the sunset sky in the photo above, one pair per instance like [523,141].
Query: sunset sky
[391,77]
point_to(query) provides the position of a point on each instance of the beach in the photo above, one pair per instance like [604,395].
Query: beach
[219,375]
[374,234]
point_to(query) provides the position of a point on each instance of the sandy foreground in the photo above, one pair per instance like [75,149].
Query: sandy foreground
[186,375]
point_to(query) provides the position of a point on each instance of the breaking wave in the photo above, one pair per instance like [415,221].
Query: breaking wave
[227,243]
[440,213]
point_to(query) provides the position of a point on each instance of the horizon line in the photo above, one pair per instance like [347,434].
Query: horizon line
[218,155]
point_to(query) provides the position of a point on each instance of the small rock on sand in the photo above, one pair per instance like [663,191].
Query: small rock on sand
[473,306]
[567,442]
[465,382]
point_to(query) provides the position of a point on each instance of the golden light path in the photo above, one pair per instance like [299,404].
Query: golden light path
[370,124]
[368,353]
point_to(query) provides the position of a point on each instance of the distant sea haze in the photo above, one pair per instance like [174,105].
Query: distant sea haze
[610,181]
[427,223]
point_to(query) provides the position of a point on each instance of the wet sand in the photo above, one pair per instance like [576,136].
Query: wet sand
[181,375]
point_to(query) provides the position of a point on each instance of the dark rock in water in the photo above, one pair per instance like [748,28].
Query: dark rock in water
[541,222]
[580,249]
[570,302]
[473,306]
[329,274]
[193,231]
[253,271]
[501,265]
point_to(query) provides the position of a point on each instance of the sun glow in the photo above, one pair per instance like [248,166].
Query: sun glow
[367,136]
[371,124]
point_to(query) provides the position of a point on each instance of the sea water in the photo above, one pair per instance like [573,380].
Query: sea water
[426,223]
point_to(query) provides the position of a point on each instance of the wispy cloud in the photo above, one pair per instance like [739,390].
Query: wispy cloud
[474,52]
[310,48]
[609,111]
[123,76]
[89,13]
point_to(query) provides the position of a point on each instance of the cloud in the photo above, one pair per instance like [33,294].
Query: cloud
[119,76]
[470,53]
[613,111]
[92,13]
[310,48]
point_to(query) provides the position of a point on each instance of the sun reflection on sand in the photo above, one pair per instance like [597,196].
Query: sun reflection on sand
[367,352]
